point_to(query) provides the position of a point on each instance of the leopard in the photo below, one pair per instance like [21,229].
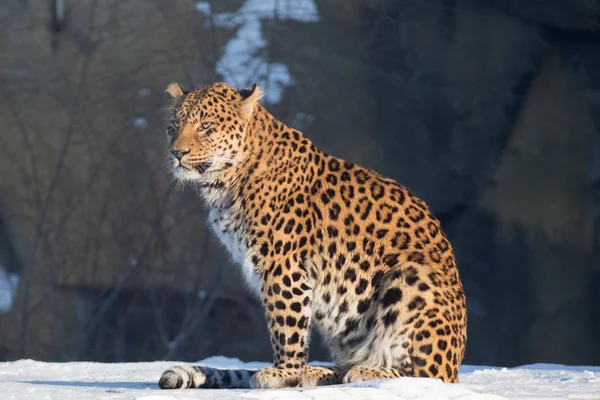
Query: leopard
[323,243]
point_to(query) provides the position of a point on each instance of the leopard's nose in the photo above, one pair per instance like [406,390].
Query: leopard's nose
[179,153]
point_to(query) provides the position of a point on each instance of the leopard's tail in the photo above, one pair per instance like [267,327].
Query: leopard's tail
[194,376]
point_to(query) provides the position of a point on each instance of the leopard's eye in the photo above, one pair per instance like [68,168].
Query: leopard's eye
[206,125]
[171,130]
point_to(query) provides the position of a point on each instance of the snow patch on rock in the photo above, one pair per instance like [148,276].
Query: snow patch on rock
[243,62]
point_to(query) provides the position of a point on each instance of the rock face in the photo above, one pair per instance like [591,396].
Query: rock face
[541,187]
[488,110]
[578,16]
[500,135]
[88,206]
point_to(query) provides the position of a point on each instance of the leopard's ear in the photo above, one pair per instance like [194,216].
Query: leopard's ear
[175,90]
[250,98]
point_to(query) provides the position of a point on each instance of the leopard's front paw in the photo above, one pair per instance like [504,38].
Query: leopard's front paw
[321,376]
[272,377]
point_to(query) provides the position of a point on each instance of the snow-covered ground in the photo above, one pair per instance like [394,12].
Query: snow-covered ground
[27,379]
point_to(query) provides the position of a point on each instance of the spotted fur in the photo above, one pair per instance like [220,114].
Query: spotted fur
[322,242]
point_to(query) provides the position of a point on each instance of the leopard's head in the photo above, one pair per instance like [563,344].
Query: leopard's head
[207,129]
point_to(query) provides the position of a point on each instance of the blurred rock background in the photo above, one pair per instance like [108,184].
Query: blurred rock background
[489,110]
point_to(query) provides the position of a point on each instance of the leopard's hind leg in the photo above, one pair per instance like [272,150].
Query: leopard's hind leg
[415,327]
[360,374]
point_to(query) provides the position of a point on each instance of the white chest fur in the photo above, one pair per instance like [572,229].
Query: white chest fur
[229,230]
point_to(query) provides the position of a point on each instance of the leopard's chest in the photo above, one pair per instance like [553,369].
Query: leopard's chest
[230,230]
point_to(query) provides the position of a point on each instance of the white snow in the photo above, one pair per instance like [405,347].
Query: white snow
[297,10]
[144,92]
[28,379]
[243,62]
[140,122]
[203,7]
[8,288]
[302,120]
